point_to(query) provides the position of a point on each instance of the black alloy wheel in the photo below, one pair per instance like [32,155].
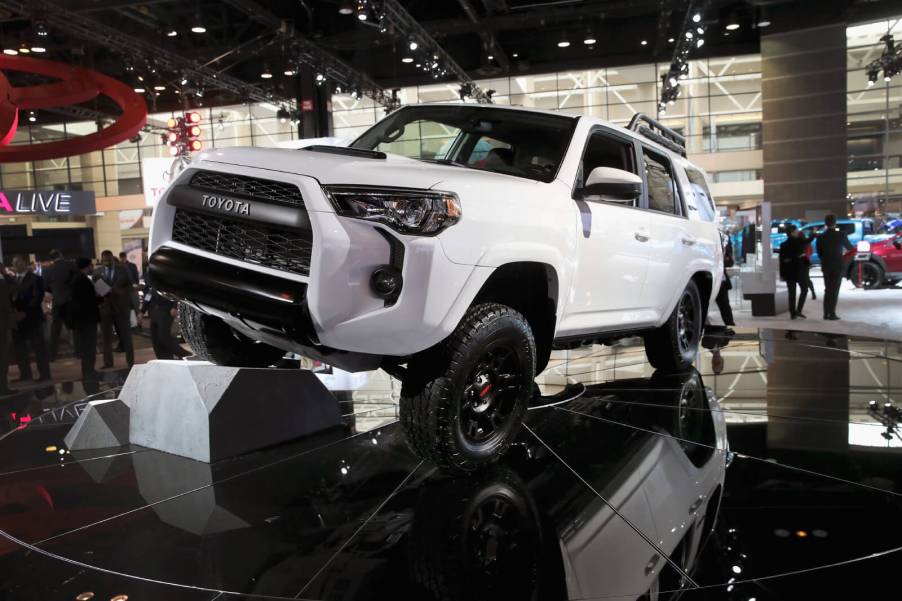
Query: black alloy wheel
[687,317]
[491,396]
[674,345]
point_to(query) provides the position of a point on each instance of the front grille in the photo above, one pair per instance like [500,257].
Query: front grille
[277,248]
[252,188]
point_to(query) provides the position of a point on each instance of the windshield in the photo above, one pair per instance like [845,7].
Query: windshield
[520,143]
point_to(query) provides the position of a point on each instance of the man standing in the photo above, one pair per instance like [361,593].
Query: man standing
[135,277]
[29,332]
[83,316]
[116,306]
[58,276]
[794,269]
[831,245]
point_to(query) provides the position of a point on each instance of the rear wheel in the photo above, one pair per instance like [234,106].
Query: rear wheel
[463,402]
[674,346]
[213,340]
[866,274]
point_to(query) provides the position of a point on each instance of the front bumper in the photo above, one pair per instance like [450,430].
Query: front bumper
[337,309]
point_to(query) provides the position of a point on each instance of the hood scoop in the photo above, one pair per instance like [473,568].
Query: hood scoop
[344,150]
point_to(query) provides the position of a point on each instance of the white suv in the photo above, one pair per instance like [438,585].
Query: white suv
[452,245]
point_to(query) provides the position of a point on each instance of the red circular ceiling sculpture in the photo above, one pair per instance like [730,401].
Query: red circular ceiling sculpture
[76,85]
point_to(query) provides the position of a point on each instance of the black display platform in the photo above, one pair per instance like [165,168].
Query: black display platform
[580,508]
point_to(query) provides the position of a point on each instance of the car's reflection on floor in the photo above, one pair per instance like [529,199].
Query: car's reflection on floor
[581,508]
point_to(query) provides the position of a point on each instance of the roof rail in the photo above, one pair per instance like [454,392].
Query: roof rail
[658,132]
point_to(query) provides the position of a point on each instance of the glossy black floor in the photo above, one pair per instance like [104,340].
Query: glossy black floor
[625,492]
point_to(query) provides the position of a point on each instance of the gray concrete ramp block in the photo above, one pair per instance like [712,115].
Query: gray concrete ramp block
[208,412]
[102,424]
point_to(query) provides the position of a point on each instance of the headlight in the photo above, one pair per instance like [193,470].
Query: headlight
[407,211]
[864,246]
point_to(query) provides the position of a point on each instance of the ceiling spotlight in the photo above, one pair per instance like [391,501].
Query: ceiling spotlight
[9,50]
[732,23]
[159,87]
[345,8]
[198,26]
[320,78]
[700,43]
[491,57]
[171,32]
[700,30]
[644,42]
[266,74]
[139,89]
[413,45]
[407,59]
[362,15]
[37,48]
[590,39]
[763,19]
[183,81]
[289,72]
[32,117]
[672,80]
[696,17]
[670,40]
[283,115]
[563,44]
[516,55]
[871,82]
[887,77]
[40,28]
[689,35]
[23,49]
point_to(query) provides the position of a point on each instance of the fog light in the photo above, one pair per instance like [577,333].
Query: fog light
[386,282]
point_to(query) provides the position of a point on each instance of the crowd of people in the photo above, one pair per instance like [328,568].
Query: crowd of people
[81,298]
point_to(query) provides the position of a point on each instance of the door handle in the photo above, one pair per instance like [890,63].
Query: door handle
[641,237]
[688,241]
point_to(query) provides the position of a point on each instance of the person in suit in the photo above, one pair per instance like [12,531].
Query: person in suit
[162,311]
[135,278]
[28,302]
[115,308]
[831,246]
[58,277]
[723,293]
[7,320]
[83,315]
[794,270]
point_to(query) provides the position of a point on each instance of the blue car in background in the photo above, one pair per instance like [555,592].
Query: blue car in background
[856,229]
[778,233]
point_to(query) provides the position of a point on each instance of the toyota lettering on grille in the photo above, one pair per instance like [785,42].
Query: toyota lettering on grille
[226,205]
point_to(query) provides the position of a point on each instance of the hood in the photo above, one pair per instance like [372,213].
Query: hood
[332,169]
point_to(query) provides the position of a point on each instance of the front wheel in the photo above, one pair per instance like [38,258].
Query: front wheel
[674,346]
[463,402]
[213,340]
[867,275]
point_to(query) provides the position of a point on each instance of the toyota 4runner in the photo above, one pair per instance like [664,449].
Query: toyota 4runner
[451,245]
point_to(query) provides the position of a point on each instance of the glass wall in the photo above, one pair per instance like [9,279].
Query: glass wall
[117,170]
[874,125]
[719,109]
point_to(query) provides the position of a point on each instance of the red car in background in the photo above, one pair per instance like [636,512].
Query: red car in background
[877,263]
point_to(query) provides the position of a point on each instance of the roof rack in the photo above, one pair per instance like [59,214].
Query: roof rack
[658,132]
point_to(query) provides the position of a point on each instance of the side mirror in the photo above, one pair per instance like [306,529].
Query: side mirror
[612,184]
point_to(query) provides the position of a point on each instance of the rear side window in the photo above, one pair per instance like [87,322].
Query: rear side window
[703,201]
[662,194]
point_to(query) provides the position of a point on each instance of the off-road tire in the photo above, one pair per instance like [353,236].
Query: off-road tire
[213,340]
[434,411]
[665,348]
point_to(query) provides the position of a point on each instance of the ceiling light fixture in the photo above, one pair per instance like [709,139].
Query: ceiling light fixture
[563,44]
[732,23]
[700,43]
[171,32]
[23,49]
[10,51]
[413,45]
[696,17]
[266,74]
[407,59]
[198,25]
[139,89]
[590,39]
[159,87]
[38,49]
[345,8]
[644,42]
[763,19]
[32,117]
[289,72]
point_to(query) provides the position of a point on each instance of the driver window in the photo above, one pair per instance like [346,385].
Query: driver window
[604,150]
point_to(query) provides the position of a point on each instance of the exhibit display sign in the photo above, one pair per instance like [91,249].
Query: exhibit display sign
[52,203]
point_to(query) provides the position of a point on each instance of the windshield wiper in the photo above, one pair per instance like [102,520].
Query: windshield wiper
[446,162]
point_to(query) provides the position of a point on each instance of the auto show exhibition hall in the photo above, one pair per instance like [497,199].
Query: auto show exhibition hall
[452,300]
